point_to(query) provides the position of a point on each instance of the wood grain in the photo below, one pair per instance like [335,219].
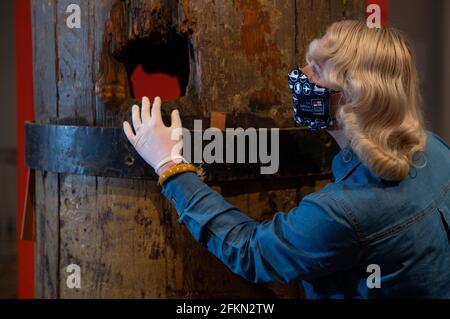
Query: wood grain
[47,191]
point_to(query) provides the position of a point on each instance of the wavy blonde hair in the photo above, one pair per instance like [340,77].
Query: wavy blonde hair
[381,105]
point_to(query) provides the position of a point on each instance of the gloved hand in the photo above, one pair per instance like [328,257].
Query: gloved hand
[155,142]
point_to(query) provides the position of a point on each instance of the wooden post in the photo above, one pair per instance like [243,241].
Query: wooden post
[229,56]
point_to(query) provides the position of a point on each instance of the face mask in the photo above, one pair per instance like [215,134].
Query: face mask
[314,105]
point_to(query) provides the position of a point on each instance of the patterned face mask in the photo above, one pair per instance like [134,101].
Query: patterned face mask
[313,105]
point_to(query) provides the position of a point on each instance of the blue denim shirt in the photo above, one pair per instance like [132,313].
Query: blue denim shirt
[333,235]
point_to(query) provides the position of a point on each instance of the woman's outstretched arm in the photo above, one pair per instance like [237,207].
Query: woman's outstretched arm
[311,240]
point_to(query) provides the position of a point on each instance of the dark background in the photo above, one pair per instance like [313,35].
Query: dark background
[8,200]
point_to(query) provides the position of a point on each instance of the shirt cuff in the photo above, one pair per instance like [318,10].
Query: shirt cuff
[180,188]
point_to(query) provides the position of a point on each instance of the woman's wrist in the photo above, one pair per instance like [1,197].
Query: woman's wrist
[165,167]
[177,169]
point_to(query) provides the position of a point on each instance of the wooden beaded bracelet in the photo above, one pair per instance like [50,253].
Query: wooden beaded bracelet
[175,170]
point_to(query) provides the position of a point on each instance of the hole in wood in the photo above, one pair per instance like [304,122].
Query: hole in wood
[129,160]
[157,65]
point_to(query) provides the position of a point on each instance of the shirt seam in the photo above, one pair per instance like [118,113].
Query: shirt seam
[365,240]
[348,172]
[410,221]
[347,212]
[188,199]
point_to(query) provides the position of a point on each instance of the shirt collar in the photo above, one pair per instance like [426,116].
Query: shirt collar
[344,163]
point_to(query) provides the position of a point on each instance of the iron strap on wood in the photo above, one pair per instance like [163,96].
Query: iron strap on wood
[105,151]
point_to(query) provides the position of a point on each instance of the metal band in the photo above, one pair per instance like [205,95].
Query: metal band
[105,151]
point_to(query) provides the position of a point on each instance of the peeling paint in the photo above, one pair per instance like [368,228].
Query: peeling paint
[254,32]
[256,45]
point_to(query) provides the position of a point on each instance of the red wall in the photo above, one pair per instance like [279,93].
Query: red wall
[155,84]
[24,85]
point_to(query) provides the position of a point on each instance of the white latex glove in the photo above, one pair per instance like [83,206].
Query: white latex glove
[156,143]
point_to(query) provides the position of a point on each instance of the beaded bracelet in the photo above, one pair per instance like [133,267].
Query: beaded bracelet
[175,170]
[169,159]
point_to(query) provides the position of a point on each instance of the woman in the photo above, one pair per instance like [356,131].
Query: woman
[387,211]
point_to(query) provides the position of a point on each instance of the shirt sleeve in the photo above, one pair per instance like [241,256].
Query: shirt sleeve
[309,241]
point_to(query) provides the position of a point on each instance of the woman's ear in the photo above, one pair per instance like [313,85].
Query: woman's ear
[308,71]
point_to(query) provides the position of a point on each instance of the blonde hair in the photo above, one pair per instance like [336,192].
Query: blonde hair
[381,106]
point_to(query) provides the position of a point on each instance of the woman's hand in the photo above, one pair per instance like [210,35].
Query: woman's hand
[158,144]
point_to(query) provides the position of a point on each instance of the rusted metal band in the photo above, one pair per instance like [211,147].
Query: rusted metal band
[105,151]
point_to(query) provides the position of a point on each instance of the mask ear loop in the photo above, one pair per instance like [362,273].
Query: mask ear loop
[305,70]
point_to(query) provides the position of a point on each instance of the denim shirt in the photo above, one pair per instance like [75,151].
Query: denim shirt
[332,239]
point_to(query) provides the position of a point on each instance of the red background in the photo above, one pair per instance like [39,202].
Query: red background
[24,88]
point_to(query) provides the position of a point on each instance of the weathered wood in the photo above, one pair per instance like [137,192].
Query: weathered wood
[313,17]
[47,192]
[75,99]
[47,236]
[232,56]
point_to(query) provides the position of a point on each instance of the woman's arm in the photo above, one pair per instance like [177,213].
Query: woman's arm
[311,240]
